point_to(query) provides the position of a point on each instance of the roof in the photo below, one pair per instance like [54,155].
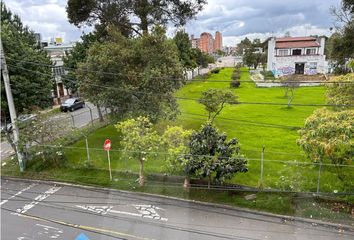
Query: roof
[296,42]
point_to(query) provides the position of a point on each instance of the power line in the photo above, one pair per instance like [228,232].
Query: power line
[170,78]
[194,99]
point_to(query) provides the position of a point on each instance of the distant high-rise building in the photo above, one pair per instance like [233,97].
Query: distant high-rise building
[218,41]
[206,43]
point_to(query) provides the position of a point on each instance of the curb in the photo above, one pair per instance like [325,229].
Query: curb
[313,222]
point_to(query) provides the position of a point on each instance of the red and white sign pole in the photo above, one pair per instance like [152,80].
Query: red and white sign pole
[107,147]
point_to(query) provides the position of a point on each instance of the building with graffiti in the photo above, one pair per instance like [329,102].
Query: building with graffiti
[296,55]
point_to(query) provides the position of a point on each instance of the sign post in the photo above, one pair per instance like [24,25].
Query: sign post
[107,147]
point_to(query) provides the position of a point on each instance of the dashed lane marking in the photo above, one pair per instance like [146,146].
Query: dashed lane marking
[38,199]
[18,193]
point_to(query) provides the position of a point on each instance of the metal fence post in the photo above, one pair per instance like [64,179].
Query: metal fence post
[319,178]
[91,116]
[73,119]
[262,165]
[87,150]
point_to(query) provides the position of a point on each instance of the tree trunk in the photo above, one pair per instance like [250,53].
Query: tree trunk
[99,112]
[141,174]
[187,183]
[209,181]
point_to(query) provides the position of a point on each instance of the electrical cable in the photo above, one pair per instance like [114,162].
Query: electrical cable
[244,103]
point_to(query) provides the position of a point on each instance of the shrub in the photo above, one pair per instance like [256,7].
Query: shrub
[268,75]
[216,70]
[235,84]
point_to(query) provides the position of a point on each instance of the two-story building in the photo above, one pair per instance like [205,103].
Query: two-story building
[296,55]
[57,51]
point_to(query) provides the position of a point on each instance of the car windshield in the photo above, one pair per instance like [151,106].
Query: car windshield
[70,101]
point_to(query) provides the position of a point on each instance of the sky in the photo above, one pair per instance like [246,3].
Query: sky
[235,19]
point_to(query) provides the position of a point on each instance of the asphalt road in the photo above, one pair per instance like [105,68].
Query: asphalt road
[78,118]
[38,211]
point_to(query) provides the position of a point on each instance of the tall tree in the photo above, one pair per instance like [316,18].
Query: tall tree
[132,15]
[31,83]
[242,46]
[184,46]
[134,76]
[139,140]
[77,55]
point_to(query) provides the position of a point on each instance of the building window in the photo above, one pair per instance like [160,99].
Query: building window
[283,52]
[311,51]
[58,71]
[312,65]
[297,52]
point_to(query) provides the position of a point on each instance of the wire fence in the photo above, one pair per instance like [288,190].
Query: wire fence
[273,175]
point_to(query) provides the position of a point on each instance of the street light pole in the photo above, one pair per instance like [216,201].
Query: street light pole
[12,110]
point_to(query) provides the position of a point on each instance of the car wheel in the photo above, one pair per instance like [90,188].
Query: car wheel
[83,105]
[71,109]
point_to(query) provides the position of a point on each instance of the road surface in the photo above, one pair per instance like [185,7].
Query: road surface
[38,211]
[82,117]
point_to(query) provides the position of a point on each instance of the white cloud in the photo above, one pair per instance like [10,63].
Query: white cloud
[234,18]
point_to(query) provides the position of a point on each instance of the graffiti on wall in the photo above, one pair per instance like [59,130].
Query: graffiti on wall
[283,71]
[310,71]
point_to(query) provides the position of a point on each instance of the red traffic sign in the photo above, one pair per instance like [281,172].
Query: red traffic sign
[107,145]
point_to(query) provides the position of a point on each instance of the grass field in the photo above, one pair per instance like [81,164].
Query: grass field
[274,127]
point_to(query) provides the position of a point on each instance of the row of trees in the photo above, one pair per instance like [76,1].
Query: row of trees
[132,67]
[30,89]
[205,153]
[251,56]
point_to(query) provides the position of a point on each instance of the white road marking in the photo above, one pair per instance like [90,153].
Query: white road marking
[145,211]
[148,211]
[96,209]
[38,199]
[18,193]
[45,232]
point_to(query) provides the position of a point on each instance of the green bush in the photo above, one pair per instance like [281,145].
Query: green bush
[235,84]
[216,70]
[236,75]
[268,75]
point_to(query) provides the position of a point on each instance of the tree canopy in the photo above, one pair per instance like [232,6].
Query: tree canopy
[341,90]
[77,55]
[31,83]
[212,156]
[328,136]
[132,16]
[186,55]
[139,141]
[133,76]
[214,101]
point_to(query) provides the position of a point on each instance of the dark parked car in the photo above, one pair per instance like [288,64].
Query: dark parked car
[72,104]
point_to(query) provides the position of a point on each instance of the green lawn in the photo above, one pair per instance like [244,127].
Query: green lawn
[275,127]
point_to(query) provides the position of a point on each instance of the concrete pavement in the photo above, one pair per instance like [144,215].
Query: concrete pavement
[37,210]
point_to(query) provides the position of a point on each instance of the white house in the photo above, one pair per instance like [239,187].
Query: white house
[57,52]
[296,55]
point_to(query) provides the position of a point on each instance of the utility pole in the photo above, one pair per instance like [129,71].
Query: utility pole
[10,103]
